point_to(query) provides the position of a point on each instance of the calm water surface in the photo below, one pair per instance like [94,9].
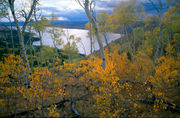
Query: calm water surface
[47,40]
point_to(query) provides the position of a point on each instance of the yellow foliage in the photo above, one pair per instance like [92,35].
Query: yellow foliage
[116,88]
[52,111]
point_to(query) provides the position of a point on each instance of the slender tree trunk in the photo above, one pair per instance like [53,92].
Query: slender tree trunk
[92,20]
[31,46]
[94,44]
[106,40]
[90,35]
[169,42]
[134,45]
[7,48]
[31,52]
[38,62]
[21,33]
[41,45]
[121,32]
[158,46]
[56,51]
[12,39]
[54,43]
[84,47]
[40,36]
[129,44]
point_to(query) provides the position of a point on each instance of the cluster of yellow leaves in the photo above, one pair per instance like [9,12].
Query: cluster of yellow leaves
[52,111]
[12,66]
[42,85]
[57,63]
[11,69]
[165,73]
[117,88]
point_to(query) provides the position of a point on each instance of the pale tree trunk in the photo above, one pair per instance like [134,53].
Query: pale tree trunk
[11,27]
[169,41]
[31,52]
[30,43]
[54,43]
[7,47]
[21,36]
[129,44]
[12,39]
[41,45]
[90,35]
[120,32]
[21,33]
[106,41]
[56,49]
[134,45]
[92,20]
[159,46]
[84,47]
[40,37]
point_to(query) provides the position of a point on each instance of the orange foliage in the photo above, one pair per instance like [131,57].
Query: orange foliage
[118,88]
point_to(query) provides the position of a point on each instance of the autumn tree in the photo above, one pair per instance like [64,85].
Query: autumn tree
[125,15]
[90,34]
[171,24]
[86,5]
[104,25]
[40,27]
[159,46]
[6,15]
[26,15]
[70,47]
[56,33]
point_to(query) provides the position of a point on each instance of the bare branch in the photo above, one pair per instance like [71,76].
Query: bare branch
[23,14]
[81,4]
[29,15]
[154,6]
[59,104]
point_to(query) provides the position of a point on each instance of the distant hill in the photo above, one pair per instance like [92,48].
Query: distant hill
[70,24]
[63,24]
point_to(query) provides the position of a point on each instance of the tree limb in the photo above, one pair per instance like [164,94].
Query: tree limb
[29,15]
[170,106]
[59,104]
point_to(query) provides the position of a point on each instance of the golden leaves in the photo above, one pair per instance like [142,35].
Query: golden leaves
[52,111]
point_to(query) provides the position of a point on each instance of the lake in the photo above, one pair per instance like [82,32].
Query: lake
[47,40]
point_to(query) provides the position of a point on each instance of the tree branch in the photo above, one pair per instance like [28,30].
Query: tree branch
[59,104]
[29,15]
[170,106]
[154,6]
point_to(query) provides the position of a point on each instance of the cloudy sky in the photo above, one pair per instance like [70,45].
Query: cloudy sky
[70,10]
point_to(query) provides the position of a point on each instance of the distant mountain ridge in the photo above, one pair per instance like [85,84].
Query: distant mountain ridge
[63,24]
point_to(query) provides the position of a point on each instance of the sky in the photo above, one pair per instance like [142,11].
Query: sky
[70,10]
